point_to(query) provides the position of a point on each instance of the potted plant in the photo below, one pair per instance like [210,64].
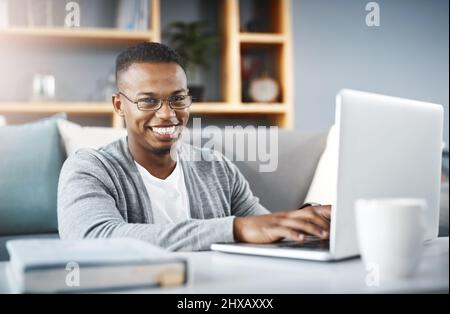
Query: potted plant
[196,47]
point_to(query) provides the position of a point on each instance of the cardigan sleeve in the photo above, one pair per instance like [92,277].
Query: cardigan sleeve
[87,208]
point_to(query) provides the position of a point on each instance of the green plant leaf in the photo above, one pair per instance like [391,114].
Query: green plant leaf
[192,43]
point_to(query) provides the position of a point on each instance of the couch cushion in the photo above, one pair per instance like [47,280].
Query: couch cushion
[285,188]
[322,186]
[297,155]
[31,159]
[76,136]
[325,177]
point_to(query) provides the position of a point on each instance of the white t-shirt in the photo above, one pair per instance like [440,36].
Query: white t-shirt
[168,197]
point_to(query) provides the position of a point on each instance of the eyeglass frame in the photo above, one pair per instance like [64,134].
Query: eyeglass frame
[162,100]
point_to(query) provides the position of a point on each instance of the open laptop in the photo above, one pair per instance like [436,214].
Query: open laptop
[387,147]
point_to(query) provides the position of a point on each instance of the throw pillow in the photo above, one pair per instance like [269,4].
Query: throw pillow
[323,186]
[76,136]
[32,157]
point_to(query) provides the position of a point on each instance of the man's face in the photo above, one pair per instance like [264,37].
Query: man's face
[155,131]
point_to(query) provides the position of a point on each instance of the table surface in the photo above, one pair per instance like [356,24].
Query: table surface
[214,272]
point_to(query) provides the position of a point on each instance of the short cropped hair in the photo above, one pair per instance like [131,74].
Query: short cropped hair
[147,52]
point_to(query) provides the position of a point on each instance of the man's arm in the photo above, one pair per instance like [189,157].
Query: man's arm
[293,225]
[255,224]
[87,209]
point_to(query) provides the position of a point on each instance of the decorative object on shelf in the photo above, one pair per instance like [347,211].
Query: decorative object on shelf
[251,66]
[30,13]
[259,21]
[264,89]
[43,87]
[39,13]
[109,87]
[132,14]
[257,67]
[195,47]
[4,14]
[104,88]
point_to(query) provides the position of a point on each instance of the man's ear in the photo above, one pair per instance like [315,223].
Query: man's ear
[118,106]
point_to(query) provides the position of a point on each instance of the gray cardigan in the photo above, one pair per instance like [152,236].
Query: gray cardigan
[101,194]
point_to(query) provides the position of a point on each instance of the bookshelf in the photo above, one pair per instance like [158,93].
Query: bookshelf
[77,36]
[237,40]
[106,109]
[234,42]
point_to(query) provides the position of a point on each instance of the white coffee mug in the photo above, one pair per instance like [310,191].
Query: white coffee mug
[390,234]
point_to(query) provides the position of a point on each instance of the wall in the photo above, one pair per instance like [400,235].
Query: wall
[406,56]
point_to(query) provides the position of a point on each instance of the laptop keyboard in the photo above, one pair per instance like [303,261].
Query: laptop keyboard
[311,243]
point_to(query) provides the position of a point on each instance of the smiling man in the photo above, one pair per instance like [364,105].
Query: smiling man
[146,185]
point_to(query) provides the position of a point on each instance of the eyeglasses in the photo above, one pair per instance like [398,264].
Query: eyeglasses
[147,103]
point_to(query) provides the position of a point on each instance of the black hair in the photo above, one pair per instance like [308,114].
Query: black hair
[147,52]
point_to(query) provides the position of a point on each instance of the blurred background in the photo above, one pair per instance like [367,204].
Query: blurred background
[251,62]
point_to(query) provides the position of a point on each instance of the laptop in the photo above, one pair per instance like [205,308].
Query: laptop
[387,147]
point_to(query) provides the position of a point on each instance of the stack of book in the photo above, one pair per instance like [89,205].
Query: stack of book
[52,266]
[133,14]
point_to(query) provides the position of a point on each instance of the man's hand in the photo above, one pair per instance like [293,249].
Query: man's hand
[292,225]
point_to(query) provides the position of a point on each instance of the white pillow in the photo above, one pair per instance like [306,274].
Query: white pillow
[323,186]
[76,136]
[2,120]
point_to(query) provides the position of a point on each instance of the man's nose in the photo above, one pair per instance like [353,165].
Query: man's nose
[165,110]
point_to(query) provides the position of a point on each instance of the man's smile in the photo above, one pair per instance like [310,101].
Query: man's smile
[166,132]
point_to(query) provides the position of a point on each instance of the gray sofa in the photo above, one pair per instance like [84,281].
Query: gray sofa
[285,188]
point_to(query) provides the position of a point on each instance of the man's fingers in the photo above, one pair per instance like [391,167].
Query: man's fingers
[308,227]
[324,211]
[288,233]
[319,220]
[312,216]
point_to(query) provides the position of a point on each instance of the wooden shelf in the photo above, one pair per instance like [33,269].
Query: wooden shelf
[277,110]
[75,35]
[50,107]
[231,109]
[231,80]
[261,38]
[232,55]
[106,108]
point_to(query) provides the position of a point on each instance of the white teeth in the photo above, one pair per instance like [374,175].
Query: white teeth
[169,130]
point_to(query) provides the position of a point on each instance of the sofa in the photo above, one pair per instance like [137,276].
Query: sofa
[32,155]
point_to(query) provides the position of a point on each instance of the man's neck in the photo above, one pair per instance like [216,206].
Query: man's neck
[158,165]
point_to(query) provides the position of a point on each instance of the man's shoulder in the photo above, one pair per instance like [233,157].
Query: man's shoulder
[103,156]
